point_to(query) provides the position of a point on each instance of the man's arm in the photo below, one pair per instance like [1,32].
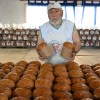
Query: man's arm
[40,39]
[76,40]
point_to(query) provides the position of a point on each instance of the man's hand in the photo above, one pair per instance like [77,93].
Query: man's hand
[41,58]
[73,56]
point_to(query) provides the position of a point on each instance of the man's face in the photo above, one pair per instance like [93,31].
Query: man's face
[55,14]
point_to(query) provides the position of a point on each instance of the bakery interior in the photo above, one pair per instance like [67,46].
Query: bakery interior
[23,76]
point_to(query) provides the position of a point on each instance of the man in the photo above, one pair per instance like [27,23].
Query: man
[57,31]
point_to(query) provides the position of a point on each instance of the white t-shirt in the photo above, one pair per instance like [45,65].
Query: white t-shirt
[56,37]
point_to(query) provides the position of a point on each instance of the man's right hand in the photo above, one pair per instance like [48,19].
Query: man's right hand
[41,58]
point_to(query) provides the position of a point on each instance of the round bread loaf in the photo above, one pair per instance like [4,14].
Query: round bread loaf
[90,79]
[60,73]
[7,83]
[19,98]
[78,95]
[67,50]
[42,92]
[24,92]
[40,82]
[89,74]
[43,98]
[71,62]
[3,96]
[46,75]
[60,66]
[97,93]
[69,45]
[73,66]
[61,80]
[79,86]
[96,68]
[44,50]
[25,83]
[78,80]
[75,73]
[62,87]
[6,91]
[94,84]
[13,76]
[62,94]
[29,76]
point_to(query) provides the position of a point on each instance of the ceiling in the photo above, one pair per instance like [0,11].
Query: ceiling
[65,2]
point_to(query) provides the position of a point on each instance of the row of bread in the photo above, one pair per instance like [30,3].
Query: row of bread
[36,81]
[18,37]
[89,31]
[18,31]
[90,37]
[17,43]
[90,43]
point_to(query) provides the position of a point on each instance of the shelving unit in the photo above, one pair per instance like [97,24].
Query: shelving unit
[18,37]
[28,37]
[90,38]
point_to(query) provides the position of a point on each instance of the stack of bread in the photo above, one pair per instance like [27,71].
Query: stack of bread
[44,83]
[36,81]
[62,83]
[80,89]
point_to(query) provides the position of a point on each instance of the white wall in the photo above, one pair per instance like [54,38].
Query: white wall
[12,11]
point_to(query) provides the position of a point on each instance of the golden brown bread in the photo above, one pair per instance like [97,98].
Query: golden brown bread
[79,86]
[60,73]
[2,74]
[89,74]
[75,73]
[34,68]
[41,45]
[94,84]
[35,62]
[61,80]
[13,76]
[3,96]
[87,99]
[62,94]
[85,71]
[24,92]
[78,95]
[42,92]
[73,66]
[19,98]
[90,79]
[47,67]
[31,71]
[71,62]
[46,75]
[6,91]
[61,67]
[62,87]
[25,83]
[29,76]
[96,68]
[67,50]
[7,83]
[43,83]
[97,93]
[84,66]
[44,50]
[43,98]
[69,45]
[78,80]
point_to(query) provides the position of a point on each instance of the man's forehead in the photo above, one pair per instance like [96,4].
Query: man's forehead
[54,9]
